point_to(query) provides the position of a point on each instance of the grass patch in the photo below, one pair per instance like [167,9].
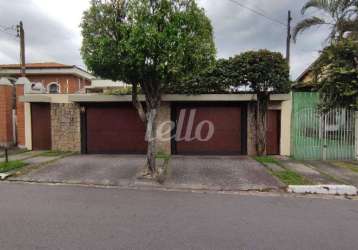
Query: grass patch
[290,178]
[11,165]
[52,153]
[346,165]
[266,159]
[286,176]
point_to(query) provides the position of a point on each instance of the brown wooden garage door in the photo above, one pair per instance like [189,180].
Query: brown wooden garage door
[41,126]
[229,130]
[273,132]
[114,128]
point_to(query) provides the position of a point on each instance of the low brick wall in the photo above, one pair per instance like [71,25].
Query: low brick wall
[6,126]
[66,127]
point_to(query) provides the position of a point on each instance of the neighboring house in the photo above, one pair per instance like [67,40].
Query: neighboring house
[305,81]
[316,135]
[56,78]
[99,85]
[51,78]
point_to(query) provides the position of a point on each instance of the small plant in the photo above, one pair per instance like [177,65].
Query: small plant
[163,156]
[163,170]
[11,165]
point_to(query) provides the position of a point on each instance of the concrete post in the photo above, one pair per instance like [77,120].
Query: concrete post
[20,85]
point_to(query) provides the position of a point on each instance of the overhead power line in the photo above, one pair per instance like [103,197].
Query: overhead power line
[257,12]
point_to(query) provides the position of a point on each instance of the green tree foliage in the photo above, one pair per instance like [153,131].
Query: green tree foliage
[150,43]
[216,80]
[337,75]
[340,15]
[264,73]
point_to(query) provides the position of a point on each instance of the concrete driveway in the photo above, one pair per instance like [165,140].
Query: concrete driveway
[228,173]
[188,172]
[111,170]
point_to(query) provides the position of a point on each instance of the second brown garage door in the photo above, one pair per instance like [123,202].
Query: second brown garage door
[229,124]
[114,128]
[41,126]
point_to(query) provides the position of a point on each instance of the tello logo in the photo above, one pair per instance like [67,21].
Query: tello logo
[186,129]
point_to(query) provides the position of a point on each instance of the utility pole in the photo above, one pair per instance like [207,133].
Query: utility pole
[288,48]
[21,34]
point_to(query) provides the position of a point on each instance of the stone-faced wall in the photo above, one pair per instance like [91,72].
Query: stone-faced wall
[251,129]
[164,129]
[66,127]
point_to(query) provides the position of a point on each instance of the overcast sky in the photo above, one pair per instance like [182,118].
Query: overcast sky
[53,33]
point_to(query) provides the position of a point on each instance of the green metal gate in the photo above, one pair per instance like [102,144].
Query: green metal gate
[318,136]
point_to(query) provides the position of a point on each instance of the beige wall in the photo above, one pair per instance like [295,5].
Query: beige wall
[28,126]
[286,113]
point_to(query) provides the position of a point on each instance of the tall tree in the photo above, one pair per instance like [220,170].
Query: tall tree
[148,43]
[336,73]
[340,15]
[264,73]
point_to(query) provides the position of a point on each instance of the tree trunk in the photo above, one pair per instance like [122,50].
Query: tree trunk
[149,117]
[151,136]
[137,104]
[261,122]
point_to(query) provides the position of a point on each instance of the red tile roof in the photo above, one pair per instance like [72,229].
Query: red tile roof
[46,65]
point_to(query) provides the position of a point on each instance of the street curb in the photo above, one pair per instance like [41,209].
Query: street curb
[323,189]
[4,176]
[162,189]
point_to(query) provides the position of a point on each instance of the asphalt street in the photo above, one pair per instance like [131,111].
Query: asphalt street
[69,217]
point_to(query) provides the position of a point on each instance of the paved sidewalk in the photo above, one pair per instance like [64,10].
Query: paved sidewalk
[344,175]
[309,172]
[22,156]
